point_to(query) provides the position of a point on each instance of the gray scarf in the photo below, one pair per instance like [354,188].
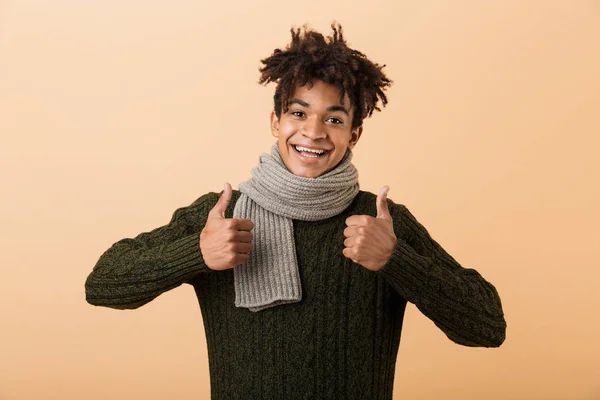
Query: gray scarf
[271,199]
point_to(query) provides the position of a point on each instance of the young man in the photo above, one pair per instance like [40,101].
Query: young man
[302,278]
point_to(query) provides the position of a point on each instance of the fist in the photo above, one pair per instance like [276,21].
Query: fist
[370,241]
[225,242]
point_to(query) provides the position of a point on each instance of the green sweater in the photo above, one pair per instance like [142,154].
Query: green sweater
[341,340]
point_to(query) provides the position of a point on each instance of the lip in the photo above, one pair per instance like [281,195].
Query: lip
[309,160]
[309,147]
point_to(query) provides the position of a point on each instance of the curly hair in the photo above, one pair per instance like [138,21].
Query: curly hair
[311,56]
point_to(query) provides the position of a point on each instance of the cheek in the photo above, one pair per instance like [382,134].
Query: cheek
[287,130]
[284,148]
[340,151]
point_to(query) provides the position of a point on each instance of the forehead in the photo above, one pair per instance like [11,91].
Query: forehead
[320,94]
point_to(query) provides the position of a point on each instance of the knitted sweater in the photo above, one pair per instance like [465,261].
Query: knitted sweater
[341,340]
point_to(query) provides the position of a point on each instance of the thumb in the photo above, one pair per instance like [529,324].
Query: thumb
[382,208]
[219,209]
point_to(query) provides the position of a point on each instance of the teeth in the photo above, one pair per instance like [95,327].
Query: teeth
[299,148]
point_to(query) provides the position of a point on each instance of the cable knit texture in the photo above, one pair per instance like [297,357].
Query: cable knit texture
[341,340]
[271,199]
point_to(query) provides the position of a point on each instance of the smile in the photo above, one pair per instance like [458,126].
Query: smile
[306,152]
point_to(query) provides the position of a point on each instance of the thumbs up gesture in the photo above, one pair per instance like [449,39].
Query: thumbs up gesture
[370,241]
[225,242]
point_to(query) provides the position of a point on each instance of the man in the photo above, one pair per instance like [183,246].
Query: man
[302,278]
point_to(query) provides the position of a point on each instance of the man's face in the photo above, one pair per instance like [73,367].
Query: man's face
[315,120]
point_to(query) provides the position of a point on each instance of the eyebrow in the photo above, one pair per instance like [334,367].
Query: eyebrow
[330,108]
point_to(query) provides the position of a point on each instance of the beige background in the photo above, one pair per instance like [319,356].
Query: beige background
[114,114]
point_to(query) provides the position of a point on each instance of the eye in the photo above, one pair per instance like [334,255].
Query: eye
[336,120]
[297,113]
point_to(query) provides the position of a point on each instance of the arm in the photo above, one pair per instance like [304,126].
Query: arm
[458,300]
[132,272]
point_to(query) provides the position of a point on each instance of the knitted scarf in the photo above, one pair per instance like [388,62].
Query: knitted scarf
[271,199]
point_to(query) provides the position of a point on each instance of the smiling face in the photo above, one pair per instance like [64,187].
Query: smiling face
[315,132]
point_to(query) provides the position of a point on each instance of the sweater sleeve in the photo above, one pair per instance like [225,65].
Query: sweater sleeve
[134,271]
[458,300]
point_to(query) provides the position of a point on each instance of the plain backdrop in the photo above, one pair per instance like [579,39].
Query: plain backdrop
[114,114]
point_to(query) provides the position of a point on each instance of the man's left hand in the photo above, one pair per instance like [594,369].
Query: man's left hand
[370,241]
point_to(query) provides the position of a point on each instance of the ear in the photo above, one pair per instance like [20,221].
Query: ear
[354,136]
[274,124]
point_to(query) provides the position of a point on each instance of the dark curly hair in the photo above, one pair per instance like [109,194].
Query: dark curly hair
[311,56]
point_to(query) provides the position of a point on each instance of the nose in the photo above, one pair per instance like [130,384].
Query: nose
[313,128]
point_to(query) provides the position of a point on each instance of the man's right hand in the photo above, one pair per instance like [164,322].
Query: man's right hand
[225,242]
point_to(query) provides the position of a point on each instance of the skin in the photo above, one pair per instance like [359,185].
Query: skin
[370,241]
[225,242]
[315,119]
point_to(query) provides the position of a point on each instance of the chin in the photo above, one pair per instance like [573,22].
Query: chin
[311,174]
[306,175]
